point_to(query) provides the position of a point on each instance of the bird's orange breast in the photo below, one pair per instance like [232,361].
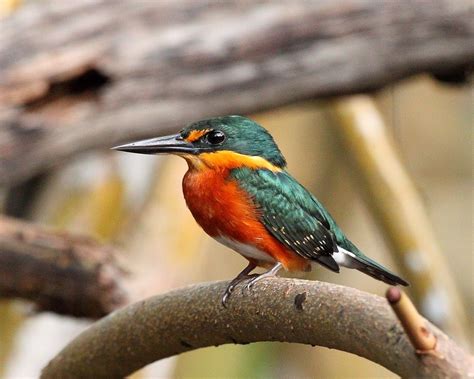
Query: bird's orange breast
[223,209]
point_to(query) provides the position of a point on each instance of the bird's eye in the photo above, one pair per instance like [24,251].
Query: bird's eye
[215,137]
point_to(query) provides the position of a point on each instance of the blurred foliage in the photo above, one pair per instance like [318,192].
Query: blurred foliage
[230,361]
[10,321]
[8,6]
[92,205]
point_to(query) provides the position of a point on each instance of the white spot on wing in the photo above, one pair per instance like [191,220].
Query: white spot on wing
[345,258]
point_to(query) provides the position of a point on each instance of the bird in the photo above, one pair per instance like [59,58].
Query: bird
[240,192]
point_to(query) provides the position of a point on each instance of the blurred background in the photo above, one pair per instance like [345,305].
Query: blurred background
[135,202]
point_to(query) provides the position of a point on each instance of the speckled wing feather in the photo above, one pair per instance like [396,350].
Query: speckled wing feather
[290,214]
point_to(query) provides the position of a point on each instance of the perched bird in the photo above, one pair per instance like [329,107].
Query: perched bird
[239,192]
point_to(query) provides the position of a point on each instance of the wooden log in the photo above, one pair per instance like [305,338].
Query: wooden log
[58,271]
[76,76]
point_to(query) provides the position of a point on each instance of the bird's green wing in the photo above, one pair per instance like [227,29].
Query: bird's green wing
[290,213]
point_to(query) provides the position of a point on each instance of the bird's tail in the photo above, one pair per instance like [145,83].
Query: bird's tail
[377,271]
[368,266]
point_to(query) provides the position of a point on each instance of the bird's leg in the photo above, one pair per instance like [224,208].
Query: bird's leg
[243,275]
[272,272]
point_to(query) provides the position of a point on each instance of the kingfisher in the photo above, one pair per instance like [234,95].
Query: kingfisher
[239,191]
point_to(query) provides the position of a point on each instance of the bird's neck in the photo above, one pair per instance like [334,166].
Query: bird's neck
[224,161]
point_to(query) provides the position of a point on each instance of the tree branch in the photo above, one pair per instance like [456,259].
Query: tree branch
[277,309]
[59,272]
[138,69]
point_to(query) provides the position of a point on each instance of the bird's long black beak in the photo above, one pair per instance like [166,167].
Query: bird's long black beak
[173,144]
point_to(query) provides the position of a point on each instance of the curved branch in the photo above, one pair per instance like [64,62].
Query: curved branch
[285,310]
[141,67]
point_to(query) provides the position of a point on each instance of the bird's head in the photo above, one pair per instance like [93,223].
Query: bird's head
[221,139]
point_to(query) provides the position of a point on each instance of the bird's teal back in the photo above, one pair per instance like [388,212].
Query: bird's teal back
[299,221]
[280,190]
[291,214]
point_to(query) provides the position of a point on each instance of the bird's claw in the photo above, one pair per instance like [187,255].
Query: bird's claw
[249,285]
[254,278]
[226,296]
[233,284]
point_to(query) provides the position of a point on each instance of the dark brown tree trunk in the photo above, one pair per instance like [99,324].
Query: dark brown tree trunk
[82,75]
[58,271]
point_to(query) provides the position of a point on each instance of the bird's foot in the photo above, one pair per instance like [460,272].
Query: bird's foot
[270,273]
[230,288]
[244,275]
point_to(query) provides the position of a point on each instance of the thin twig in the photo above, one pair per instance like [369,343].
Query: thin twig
[422,339]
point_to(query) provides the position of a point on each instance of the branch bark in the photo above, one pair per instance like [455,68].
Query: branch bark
[59,272]
[277,309]
[136,69]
